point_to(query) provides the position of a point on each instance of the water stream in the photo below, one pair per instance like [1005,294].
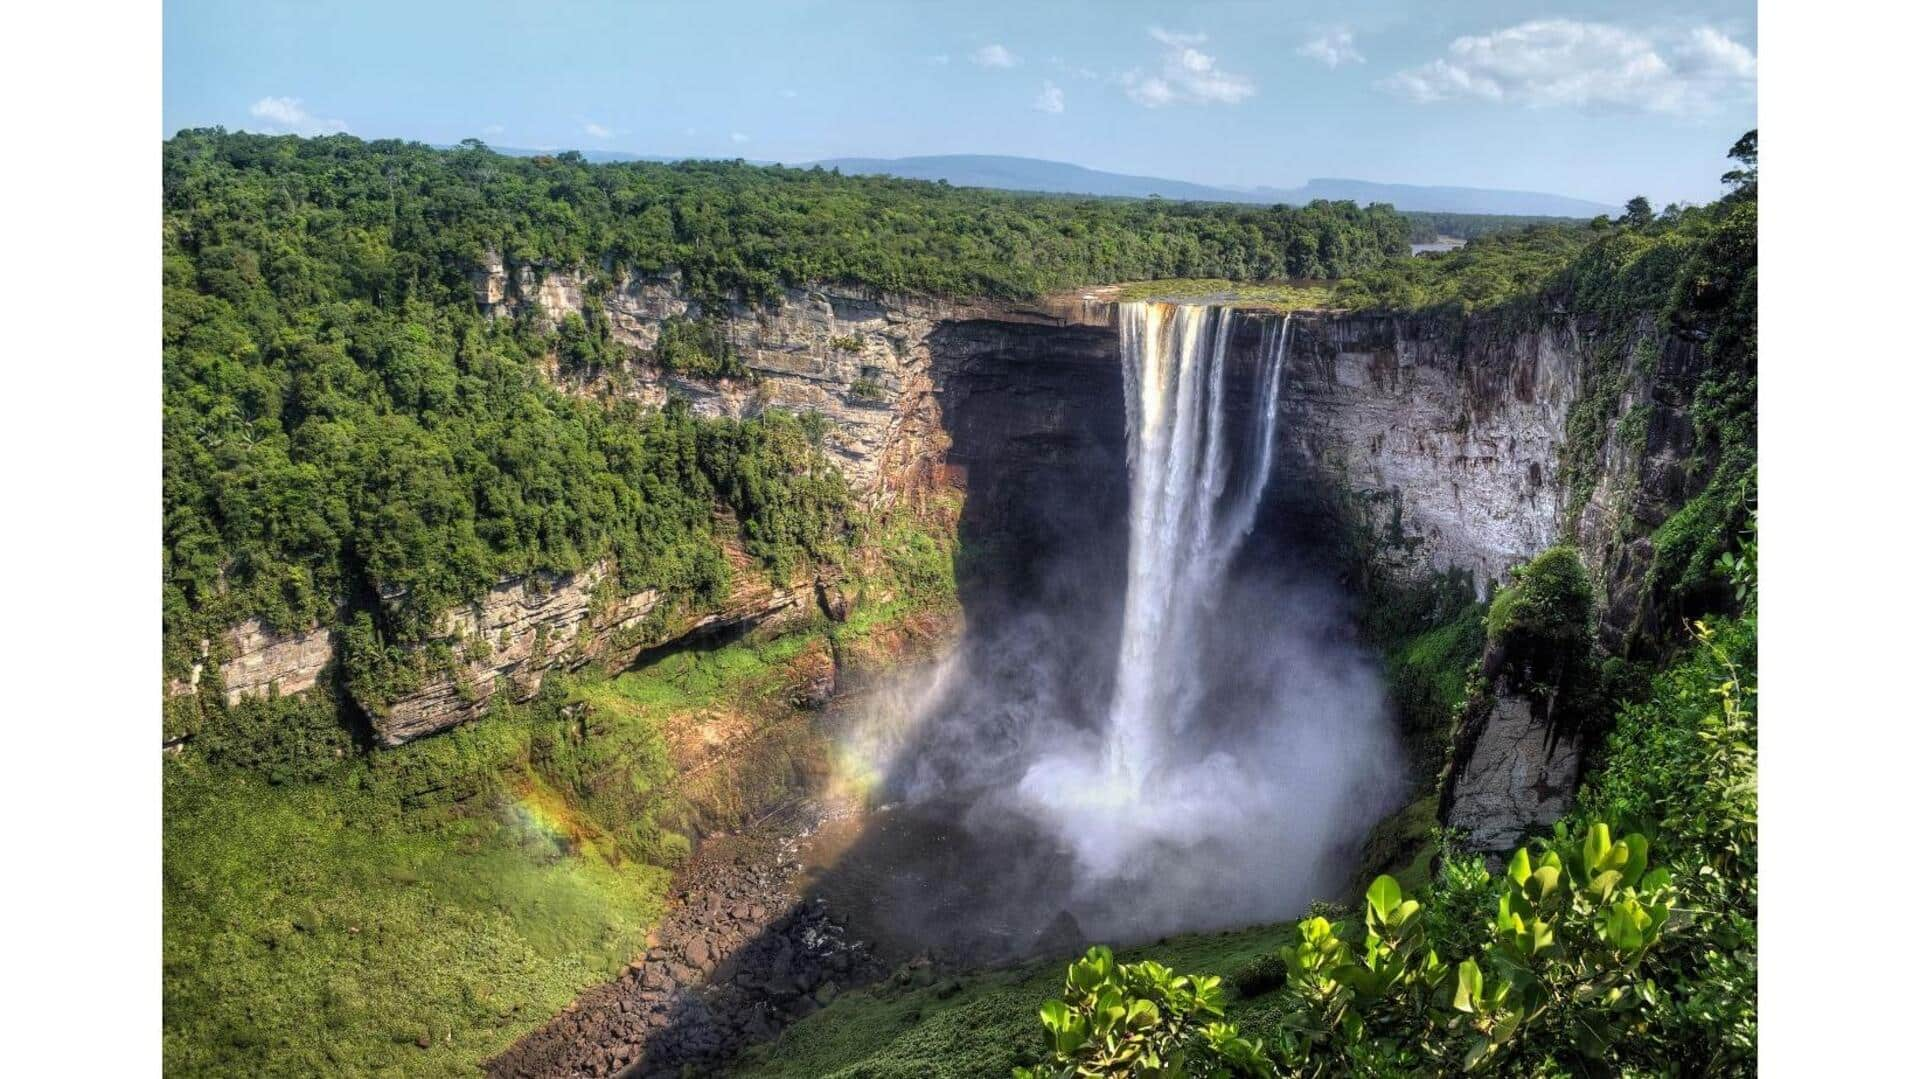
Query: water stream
[1187,520]
[1197,742]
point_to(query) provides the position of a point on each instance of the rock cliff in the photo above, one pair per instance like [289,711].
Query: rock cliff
[1447,441]
[1446,437]
[861,358]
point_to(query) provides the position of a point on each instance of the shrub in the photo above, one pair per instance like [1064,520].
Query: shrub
[697,348]
[1557,980]
[1548,604]
[1263,974]
[1540,634]
[1141,1019]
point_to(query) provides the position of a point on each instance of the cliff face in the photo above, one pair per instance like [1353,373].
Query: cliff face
[525,627]
[1447,441]
[1445,438]
[861,358]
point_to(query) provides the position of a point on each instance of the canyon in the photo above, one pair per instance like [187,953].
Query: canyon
[1429,444]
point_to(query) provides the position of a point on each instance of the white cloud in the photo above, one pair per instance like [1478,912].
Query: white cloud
[995,55]
[1333,48]
[598,131]
[1052,99]
[940,60]
[1075,70]
[737,137]
[1560,62]
[290,115]
[1185,76]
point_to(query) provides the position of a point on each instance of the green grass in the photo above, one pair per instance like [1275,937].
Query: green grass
[323,914]
[982,1026]
[1274,295]
[683,681]
[313,929]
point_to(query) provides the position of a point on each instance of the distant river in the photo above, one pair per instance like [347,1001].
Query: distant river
[1444,243]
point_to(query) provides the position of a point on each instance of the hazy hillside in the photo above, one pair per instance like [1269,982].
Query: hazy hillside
[1034,174]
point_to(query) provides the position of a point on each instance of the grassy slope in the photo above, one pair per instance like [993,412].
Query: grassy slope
[310,929]
[453,888]
[465,887]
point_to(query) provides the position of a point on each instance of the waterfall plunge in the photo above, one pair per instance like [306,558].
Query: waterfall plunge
[1185,525]
[1196,486]
[1227,771]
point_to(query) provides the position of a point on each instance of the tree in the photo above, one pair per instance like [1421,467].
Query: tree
[1639,213]
[1745,180]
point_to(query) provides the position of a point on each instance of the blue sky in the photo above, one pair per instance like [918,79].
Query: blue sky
[1596,100]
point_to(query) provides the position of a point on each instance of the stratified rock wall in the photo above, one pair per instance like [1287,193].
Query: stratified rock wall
[1445,435]
[261,661]
[1447,438]
[861,358]
[526,626]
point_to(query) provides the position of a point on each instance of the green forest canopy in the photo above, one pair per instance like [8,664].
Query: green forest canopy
[397,219]
[342,421]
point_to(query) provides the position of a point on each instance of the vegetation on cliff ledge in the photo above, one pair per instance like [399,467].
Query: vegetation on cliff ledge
[414,910]
[342,422]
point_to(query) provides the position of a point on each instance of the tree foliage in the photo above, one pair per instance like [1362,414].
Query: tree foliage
[1141,1020]
[343,425]
[416,220]
[1557,978]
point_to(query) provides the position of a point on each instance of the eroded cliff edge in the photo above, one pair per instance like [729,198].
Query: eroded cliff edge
[1444,438]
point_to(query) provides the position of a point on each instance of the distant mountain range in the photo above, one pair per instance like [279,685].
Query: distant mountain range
[1034,174]
[1058,177]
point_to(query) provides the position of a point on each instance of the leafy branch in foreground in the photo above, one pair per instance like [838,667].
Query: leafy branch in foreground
[1558,976]
[1141,1019]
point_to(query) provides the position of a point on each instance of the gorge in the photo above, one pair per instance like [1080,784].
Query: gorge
[726,651]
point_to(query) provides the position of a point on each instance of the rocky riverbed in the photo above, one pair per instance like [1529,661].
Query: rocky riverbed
[739,955]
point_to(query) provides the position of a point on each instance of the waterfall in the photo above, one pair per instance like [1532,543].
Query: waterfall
[1187,514]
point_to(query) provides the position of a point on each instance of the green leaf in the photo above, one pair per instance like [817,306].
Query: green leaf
[1594,851]
[1467,985]
[1383,896]
[1520,867]
[1602,886]
[1143,1014]
[1592,1037]
[1542,937]
[1543,882]
[1636,845]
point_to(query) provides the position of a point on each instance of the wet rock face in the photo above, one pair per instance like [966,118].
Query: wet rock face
[738,957]
[1034,420]
[1447,439]
[1516,779]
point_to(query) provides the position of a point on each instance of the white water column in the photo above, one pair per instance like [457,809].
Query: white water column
[1184,524]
